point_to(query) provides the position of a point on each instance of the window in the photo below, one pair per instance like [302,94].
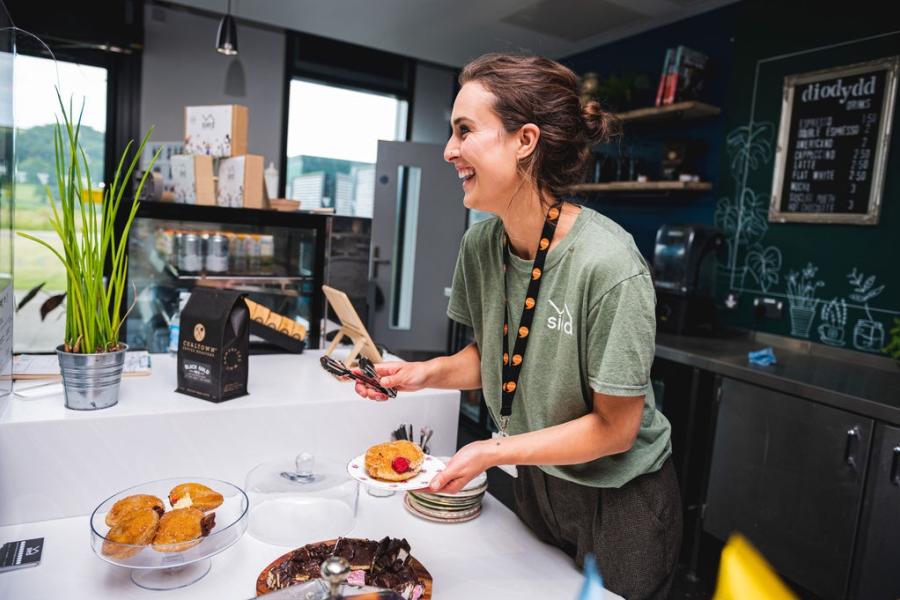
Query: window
[332,143]
[36,109]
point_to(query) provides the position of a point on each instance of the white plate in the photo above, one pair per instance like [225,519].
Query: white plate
[431,466]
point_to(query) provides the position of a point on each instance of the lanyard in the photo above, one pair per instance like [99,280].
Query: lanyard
[512,366]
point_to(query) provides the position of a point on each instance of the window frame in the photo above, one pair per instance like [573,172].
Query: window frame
[332,73]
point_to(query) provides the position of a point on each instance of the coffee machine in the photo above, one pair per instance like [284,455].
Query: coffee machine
[684,261]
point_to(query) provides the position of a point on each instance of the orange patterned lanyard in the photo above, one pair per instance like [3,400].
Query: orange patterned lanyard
[512,366]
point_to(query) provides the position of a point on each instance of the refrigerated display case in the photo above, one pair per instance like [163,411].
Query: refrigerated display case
[278,259]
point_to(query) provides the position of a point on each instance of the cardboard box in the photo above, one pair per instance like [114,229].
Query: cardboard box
[192,178]
[219,131]
[241,182]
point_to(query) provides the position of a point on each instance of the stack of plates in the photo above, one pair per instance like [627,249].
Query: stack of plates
[462,506]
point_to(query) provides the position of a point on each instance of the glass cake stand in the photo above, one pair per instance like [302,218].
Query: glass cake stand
[172,566]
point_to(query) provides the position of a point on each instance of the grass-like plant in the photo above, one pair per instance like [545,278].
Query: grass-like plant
[93,296]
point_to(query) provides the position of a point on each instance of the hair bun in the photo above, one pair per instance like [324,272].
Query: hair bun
[599,124]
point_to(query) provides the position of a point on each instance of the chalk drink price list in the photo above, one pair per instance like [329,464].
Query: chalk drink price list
[831,143]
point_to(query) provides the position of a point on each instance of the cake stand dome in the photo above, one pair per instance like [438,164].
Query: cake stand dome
[297,500]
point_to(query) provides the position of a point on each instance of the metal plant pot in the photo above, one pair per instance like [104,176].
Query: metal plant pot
[91,381]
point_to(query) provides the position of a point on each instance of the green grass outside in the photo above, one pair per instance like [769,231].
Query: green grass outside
[34,263]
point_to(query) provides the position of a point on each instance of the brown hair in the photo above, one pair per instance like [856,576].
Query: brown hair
[532,89]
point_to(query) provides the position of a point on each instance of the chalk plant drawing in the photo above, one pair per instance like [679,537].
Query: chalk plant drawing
[764,265]
[744,217]
[868,334]
[801,292]
[834,319]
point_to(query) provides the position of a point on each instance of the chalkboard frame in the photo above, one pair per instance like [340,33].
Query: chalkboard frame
[883,136]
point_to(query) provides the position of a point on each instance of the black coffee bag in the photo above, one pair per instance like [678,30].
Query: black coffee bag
[212,345]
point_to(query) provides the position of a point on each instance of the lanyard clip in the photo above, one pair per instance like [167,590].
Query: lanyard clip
[504,425]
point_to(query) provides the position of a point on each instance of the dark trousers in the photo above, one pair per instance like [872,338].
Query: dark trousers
[633,531]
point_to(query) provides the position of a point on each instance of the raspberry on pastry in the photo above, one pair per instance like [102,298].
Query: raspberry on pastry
[196,495]
[394,461]
[124,507]
[132,532]
[181,529]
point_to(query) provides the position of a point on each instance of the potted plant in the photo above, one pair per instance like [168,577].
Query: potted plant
[802,296]
[91,356]
[893,347]
[834,319]
[868,334]
[743,217]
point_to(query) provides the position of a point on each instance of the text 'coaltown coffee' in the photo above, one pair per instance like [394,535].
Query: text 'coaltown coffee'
[212,345]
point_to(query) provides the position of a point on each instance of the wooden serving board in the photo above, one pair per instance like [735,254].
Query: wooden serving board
[421,572]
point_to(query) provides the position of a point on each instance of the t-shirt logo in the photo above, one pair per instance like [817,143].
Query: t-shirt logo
[563,319]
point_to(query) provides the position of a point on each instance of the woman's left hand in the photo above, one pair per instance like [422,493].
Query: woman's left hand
[468,462]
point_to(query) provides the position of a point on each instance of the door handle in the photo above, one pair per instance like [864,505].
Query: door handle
[376,252]
[895,466]
[852,446]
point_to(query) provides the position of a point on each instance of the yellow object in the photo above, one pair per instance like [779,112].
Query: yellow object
[745,574]
[95,195]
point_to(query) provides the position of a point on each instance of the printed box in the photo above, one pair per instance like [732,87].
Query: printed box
[241,182]
[219,131]
[192,179]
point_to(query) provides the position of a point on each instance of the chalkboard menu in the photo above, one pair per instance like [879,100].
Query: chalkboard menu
[832,144]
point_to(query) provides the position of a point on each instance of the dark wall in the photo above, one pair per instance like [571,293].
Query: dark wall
[711,33]
[773,41]
[753,45]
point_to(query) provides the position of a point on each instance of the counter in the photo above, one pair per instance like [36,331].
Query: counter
[852,381]
[57,463]
[494,556]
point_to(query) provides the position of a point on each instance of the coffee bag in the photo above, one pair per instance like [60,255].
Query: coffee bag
[212,345]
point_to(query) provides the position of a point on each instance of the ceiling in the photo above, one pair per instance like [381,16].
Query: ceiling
[452,33]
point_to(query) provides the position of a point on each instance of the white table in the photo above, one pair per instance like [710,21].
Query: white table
[494,556]
[57,463]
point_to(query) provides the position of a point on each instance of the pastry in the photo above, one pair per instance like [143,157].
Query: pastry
[359,553]
[394,461]
[134,531]
[194,495]
[385,563]
[181,529]
[124,507]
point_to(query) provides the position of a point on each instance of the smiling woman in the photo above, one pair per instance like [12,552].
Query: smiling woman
[576,414]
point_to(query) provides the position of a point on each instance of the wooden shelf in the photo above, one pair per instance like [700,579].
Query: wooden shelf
[643,186]
[670,112]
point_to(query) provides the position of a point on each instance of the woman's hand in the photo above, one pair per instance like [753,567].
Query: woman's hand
[466,464]
[402,376]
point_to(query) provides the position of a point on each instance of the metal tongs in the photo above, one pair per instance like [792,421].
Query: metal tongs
[368,376]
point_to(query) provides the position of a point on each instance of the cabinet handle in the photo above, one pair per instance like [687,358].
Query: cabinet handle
[852,443]
[895,466]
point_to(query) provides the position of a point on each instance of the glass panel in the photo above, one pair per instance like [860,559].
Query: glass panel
[409,184]
[332,143]
[7,300]
[36,111]
[273,265]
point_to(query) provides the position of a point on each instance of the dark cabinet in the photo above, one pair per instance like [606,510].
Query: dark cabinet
[789,475]
[876,574]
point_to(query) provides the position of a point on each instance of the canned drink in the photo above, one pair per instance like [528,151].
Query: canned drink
[266,251]
[176,258]
[252,250]
[190,256]
[238,252]
[217,253]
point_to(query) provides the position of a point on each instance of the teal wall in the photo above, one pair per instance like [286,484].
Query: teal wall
[850,272]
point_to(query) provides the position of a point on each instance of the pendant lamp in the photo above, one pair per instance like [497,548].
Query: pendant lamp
[226,40]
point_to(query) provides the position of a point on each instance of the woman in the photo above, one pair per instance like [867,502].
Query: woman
[567,285]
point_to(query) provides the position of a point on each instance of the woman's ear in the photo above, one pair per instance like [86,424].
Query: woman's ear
[527,137]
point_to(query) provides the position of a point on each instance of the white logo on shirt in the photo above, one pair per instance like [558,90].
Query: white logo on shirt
[563,319]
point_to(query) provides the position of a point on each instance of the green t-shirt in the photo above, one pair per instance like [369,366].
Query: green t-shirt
[594,329]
